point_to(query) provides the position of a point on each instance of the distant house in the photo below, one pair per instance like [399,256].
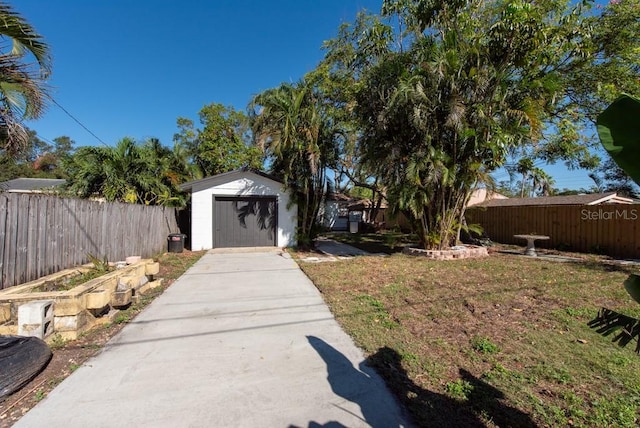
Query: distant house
[482,194]
[31,185]
[340,210]
[591,199]
[334,214]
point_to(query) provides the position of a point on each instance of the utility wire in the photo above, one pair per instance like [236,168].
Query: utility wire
[78,122]
[46,140]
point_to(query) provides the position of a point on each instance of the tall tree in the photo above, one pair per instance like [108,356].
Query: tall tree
[348,55]
[542,183]
[222,144]
[609,66]
[609,177]
[464,85]
[37,158]
[63,147]
[51,159]
[291,125]
[23,92]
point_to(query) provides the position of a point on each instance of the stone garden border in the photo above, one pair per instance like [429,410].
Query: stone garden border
[454,253]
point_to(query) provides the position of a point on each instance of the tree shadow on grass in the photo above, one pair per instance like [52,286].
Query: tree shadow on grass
[374,243]
[608,266]
[625,329]
[432,409]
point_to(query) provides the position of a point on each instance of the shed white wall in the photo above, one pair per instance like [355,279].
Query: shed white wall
[238,184]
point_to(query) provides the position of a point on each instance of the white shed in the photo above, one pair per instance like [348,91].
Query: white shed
[241,208]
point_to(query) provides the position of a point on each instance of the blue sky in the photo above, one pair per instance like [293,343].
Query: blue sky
[131,68]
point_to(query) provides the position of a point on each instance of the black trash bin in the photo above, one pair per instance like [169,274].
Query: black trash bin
[176,242]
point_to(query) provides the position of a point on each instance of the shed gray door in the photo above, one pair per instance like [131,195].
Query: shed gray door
[245,221]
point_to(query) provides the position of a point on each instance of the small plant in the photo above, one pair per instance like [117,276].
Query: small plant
[498,372]
[39,395]
[379,313]
[98,264]
[391,240]
[578,312]
[73,367]
[620,361]
[484,345]
[459,389]
[559,375]
[57,341]
[55,381]
[122,317]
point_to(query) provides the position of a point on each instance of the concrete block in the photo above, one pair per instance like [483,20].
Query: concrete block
[110,284]
[156,283]
[144,288]
[97,299]
[121,298]
[107,318]
[152,268]
[36,318]
[141,287]
[71,323]
[9,330]
[69,306]
[133,260]
[5,312]
[126,282]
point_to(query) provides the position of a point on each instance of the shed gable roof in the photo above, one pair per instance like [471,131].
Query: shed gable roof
[226,176]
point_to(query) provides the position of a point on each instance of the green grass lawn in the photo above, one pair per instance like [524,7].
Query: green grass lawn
[500,341]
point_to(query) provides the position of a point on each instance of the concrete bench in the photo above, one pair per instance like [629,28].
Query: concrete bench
[531,249]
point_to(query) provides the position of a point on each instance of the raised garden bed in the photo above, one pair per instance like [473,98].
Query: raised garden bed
[77,308]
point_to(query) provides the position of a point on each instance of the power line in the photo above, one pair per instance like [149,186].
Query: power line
[46,140]
[78,122]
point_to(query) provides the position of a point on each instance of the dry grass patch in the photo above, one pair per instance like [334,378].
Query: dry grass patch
[499,341]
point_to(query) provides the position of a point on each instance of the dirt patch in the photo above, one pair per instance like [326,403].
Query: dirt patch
[68,356]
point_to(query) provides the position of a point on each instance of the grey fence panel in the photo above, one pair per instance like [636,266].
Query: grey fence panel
[42,234]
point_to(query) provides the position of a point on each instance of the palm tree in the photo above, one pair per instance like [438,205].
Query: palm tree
[524,167]
[432,135]
[23,93]
[292,128]
[128,172]
[542,183]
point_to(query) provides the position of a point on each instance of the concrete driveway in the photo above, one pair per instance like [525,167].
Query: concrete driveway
[242,340]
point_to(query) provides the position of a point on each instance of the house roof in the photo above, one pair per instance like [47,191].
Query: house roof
[338,197]
[483,194]
[30,184]
[365,204]
[191,184]
[591,199]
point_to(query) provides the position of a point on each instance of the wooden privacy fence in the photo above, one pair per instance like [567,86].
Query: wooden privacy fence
[607,229]
[42,234]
